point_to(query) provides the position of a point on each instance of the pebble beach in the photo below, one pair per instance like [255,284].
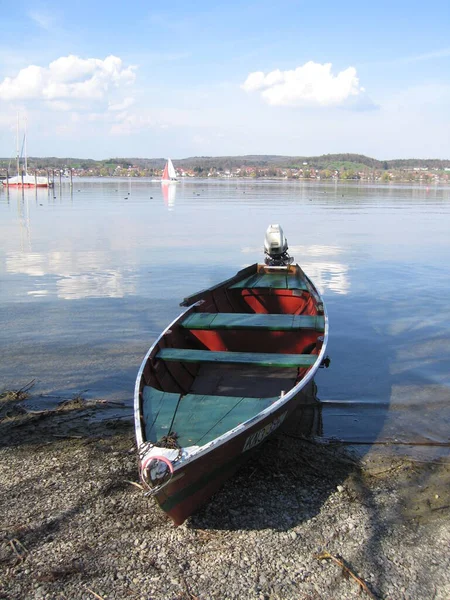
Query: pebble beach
[305,520]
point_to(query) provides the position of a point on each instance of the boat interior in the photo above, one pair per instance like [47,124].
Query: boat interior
[248,342]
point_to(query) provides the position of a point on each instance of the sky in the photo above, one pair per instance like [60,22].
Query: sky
[145,79]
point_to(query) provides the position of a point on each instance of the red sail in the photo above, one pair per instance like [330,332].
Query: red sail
[165,175]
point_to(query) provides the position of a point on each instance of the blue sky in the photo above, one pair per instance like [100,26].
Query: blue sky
[145,79]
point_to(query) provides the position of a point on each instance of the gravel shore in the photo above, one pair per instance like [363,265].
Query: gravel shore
[74,526]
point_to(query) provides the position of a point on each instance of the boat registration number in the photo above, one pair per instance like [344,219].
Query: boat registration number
[257,437]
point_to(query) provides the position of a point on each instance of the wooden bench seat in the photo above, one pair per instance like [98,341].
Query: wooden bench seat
[269,322]
[275,281]
[262,359]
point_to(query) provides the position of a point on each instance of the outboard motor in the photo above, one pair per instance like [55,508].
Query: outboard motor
[276,247]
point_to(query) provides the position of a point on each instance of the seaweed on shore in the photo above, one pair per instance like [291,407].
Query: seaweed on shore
[10,399]
[69,418]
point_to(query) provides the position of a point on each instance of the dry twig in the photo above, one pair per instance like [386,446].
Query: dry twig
[94,594]
[138,485]
[346,571]
[188,592]
[19,549]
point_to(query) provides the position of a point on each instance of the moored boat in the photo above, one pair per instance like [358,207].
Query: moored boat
[23,179]
[27,181]
[228,372]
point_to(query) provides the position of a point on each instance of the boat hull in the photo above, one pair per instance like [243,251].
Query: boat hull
[26,181]
[26,185]
[195,484]
[229,372]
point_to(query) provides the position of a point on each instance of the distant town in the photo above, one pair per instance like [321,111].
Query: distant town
[326,167]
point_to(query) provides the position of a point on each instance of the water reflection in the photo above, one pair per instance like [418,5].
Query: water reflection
[327,274]
[76,275]
[23,211]
[306,419]
[125,256]
[112,284]
[169,191]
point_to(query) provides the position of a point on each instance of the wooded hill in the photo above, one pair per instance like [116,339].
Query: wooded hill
[357,162]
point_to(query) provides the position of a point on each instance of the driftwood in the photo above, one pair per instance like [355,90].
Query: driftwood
[346,571]
[94,594]
[15,415]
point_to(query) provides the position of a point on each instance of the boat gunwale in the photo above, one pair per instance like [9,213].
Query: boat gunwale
[225,438]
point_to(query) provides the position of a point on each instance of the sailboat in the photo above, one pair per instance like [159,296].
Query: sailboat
[23,178]
[169,173]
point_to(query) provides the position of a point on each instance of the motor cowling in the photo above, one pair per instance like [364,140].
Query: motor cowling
[276,246]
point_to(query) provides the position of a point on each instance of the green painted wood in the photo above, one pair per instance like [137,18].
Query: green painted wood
[276,281]
[247,408]
[269,322]
[316,322]
[199,321]
[252,358]
[295,283]
[199,419]
[197,415]
[273,280]
[158,410]
[247,282]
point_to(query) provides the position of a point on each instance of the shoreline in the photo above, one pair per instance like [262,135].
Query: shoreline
[75,524]
[392,182]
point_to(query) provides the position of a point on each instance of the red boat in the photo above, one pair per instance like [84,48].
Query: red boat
[231,369]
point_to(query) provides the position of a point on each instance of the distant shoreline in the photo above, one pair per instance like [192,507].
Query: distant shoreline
[396,179]
[327,167]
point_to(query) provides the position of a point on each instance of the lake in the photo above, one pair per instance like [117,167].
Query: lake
[90,275]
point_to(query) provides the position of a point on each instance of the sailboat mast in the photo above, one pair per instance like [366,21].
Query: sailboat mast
[17,147]
[25,147]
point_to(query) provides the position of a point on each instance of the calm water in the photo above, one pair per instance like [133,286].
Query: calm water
[89,277]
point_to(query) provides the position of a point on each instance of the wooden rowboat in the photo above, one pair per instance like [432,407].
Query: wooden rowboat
[223,376]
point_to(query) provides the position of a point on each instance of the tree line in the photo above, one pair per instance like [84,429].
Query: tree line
[357,162]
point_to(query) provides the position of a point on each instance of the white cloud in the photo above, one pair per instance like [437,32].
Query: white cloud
[126,103]
[60,105]
[69,80]
[42,18]
[126,123]
[312,84]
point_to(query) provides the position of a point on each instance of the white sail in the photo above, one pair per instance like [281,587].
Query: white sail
[172,172]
